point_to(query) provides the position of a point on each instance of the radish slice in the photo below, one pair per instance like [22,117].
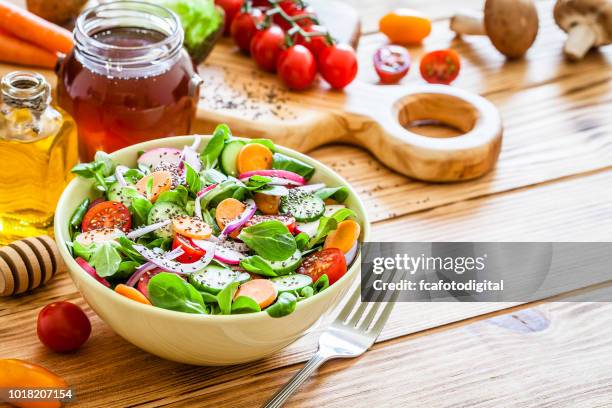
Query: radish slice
[119,172]
[177,267]
[311,188]
[281,174]
[91,271]
[246,215]
[236,246]
[147,266]
[277,181]
[154,157]
[222,253]
[351,254]
[149,228]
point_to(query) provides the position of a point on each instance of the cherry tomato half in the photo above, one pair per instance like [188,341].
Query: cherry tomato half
[315,44]
[440,67]
[108,214]
[63,326]
[329,261]
[288,221]
[297,67]
[231,9]
[267,46]
[244,28]
[338,65]
[392,63]
[191,252]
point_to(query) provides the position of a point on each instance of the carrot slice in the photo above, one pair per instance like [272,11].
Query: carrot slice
[330,201]
[267,204]
[154,184]
[261,291]
[254,156]
[16,51]
[343,237]
[28,26]
[131,293]
[191,227]
[227,211]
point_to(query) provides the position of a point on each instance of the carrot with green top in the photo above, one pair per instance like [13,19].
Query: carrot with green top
[16,51]
[29,27]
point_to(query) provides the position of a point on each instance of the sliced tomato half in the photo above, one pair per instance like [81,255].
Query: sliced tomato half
[328,262]
[107,214]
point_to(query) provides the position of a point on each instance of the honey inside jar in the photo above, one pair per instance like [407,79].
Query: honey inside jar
[128,79]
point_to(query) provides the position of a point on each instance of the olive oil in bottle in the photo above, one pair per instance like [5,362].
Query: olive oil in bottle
[38,147]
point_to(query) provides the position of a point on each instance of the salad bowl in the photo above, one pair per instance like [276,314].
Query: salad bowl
[195,338]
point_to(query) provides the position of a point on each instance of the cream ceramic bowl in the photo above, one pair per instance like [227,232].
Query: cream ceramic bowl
[201,339]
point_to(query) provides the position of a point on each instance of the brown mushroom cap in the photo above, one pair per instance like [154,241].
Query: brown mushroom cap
[595,13]
[512,25]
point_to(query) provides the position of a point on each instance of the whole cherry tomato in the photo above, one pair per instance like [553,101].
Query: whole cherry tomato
[244,27]
[440,67]
[315,44]
[330,262]
[338,65]
[63,326]
[294,8]
[191,253]
[392,63]
[266,47]
[297,67]
[231,8]
[107,214]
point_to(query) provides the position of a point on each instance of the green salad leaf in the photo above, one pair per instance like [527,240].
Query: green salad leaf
[199,19]
[328,224]
[215,146]
[178,196]
[169,291]
[269,239]
[105,259]
[283,162]
[256,264]
[244,304]
[224,298]
[140,210]
[321,284]
[285,304]
[77,217]
[340,194]
[193,179]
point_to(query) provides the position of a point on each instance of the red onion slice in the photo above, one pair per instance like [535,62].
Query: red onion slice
[280,174]
[137,233]
[277,181]
[223,253]
[196,143]
[197,210]
[246,215]
[119,172]
[233,245]
[192,158]
[351,254]
[311,188]
[147,266]
[177,267]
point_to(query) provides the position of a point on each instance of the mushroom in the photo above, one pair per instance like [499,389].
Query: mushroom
[588,24]
[511,25]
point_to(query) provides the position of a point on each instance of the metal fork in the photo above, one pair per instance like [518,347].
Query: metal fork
[350,335]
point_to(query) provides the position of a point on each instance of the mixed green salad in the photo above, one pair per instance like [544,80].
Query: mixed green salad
[231,227]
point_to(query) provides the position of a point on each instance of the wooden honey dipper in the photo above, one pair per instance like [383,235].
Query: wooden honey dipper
[27,264]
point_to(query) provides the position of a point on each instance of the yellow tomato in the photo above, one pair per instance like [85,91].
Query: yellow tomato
[405,26]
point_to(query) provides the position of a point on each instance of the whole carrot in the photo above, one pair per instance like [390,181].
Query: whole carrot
[28,26]
[17,51]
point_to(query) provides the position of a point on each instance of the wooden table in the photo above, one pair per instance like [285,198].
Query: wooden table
[552,183]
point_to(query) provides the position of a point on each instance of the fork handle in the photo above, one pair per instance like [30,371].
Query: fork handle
[298,379]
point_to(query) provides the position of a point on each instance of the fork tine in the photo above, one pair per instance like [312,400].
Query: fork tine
[362,308]
[350,305]
[384,316]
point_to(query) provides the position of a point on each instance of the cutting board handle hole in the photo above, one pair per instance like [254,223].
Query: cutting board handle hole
[436,115]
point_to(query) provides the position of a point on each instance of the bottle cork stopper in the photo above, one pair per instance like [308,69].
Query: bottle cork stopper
[27,264]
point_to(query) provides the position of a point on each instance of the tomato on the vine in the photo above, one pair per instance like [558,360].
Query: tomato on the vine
[392,63]
[244,28]
[297,67]
[338,65]
[440,67]
[63,326]
[108,214]
[231,8]
[266,47]
[191,253]
[294,8]
[330,262]
[315,44]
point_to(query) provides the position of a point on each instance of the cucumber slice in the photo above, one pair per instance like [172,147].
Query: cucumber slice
[161,212]
[288,265]
[229,157]
[214,278]
[302,205]
[122,194]
[289,283]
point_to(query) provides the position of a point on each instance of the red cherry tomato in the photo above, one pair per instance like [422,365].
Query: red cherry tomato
[108,214]
[297,67]
[244,27]
[191,252]
[288,221]
[330,262]
[266,47]
[294,8]
[63,326]
[440,67]
[317,43]
[231,8]
[338,65]
[392,63]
